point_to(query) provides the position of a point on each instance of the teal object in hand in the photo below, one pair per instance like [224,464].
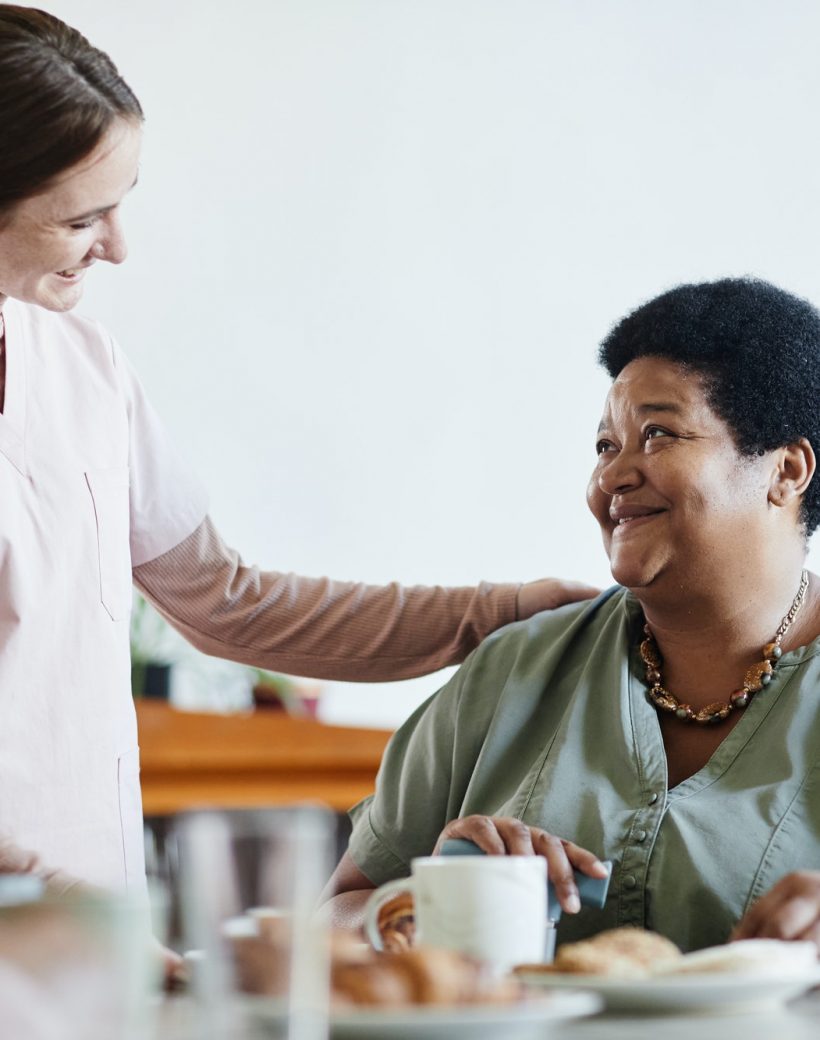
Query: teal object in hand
[591,891]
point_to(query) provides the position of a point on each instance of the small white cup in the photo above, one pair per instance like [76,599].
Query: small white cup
[493,908]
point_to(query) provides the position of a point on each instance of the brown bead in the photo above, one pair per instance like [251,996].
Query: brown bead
[753,680]
[664,700]
[653,676]
[714,712]
[772,652]
[739,699]
[684,711]
[650,654]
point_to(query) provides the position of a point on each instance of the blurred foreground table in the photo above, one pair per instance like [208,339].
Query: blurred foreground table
[257,758]
[799,1020]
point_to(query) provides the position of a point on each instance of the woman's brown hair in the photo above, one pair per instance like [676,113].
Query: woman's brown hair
[58,97]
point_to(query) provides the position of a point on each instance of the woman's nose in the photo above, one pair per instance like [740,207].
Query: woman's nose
[110,246]
[619,474]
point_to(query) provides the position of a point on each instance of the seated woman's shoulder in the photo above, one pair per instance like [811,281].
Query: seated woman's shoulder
[559,619]
[546,628]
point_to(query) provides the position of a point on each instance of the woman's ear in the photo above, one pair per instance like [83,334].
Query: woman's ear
[795,466]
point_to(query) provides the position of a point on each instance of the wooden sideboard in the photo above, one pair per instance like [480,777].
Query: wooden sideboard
[192,759]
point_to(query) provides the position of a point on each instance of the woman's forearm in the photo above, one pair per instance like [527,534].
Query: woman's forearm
[315,626]
[346,911]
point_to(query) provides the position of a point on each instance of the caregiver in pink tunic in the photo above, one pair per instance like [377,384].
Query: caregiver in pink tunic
[93,497]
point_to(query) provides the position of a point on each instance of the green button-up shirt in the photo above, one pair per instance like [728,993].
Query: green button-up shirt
[548,721]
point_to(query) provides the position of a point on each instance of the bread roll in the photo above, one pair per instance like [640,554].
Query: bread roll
[619,952]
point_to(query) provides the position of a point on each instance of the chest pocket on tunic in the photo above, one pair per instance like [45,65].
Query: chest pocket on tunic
[110,497]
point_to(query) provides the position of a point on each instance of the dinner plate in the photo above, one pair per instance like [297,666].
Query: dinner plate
[463,1022]
[724,991]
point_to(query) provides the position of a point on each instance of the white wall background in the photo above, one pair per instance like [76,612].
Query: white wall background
[375,243]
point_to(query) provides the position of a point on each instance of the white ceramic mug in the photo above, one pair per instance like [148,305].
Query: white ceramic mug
[493,908]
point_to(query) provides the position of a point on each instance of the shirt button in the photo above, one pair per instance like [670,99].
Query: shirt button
[653,798]
[640,836]
[630,881]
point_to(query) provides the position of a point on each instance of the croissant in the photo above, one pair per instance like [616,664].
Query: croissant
[423,975]
[396,923]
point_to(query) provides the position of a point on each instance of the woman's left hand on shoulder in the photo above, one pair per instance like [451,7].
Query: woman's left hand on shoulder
[789,910]
[548,593]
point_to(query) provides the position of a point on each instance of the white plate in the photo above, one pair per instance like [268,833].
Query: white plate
[724,991]
[465,1022]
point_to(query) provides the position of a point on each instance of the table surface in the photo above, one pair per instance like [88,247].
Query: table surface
[799,1020]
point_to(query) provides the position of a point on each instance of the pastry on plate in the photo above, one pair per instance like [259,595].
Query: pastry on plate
[763,957]
[421,976]
[619,952]
[396,923]
[633,953]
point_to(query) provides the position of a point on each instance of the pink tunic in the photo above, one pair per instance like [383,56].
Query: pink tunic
[89,487]
[91,496]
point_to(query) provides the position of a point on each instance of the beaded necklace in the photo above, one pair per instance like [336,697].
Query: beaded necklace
[756,677]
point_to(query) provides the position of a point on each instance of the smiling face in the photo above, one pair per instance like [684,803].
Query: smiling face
[673,496]
[48,241]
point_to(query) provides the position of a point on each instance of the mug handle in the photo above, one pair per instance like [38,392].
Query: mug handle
[375,903]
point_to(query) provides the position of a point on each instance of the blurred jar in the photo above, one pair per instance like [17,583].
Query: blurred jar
[250,884]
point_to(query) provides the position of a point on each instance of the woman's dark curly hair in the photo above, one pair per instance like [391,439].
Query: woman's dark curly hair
[757,349]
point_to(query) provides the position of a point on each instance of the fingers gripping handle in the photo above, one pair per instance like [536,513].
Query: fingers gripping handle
[591,891]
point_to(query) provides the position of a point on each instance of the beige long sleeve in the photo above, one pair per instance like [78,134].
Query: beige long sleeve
[314,626]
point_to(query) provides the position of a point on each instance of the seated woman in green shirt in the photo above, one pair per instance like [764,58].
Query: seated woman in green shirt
[673,724]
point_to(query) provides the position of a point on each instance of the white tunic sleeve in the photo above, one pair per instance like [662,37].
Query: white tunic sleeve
[168,502]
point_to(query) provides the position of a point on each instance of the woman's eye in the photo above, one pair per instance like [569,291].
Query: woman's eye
[603,446]
[82,225]
[652,433]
